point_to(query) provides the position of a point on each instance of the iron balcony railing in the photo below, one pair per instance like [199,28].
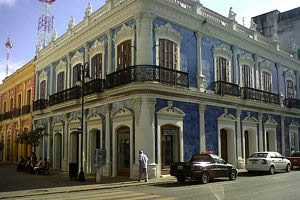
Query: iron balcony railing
[26,109]
[7,115]
[16,112]
[142,73]
[1,117]
[260,95]
[94,86]
[69,94]
[292,103]
[40,104]
[226,88]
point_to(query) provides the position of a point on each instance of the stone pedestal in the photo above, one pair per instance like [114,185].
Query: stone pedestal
[98,174]
[201,82]
[152,170]
[240,163]
[106,169]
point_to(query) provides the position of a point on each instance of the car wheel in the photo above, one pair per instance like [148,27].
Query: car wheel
[272,170]
[180,179]
[288,168]
[232,175]
[205,178]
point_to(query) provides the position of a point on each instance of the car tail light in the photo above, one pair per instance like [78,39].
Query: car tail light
[264,161]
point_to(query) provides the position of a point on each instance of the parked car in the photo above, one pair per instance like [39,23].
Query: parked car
[268,161]
[203,167]
[295,159]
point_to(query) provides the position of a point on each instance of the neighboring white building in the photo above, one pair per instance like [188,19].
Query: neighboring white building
[171,78]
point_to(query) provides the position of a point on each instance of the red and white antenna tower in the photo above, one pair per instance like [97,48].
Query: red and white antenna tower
[45,25]
[9,46]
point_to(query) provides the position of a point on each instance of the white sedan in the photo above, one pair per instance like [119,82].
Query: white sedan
[268,161]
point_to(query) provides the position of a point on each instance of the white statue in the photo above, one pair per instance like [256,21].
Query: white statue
[38,47]
[71,23]
[231,14]
[253,25]
[275,37]
[54,36]
[88,10]
[294,46]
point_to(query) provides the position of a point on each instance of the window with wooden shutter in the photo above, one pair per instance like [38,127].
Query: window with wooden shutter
[97,66]
[290,89]
[75,73]
[43,89]
[168,54]
[124,55]
[11,104]
[28,97]
[266,78]
[60,81]
[223,72]
[247,76]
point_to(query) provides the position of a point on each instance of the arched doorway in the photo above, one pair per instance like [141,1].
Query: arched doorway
[74,154]
[58,150]
[169,147]
[224,146]
[250,138]
[123,151]
[95,143]
[270,140]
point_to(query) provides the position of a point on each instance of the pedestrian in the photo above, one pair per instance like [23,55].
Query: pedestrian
[143,159]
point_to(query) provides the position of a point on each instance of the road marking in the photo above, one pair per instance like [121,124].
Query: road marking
[144,197]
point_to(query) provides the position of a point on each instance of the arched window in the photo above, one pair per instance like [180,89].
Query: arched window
[168,54]
[43,89]
[223,72]
[267,82]
[60,81]
[11,104]
[290,89]
[97,66]
[247,76]
[4,107]
[124,55]
[75,73]
[28,101]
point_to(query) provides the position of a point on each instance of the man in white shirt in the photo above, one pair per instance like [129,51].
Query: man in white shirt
[143,159]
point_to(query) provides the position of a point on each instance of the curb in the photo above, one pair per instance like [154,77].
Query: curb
[91,188]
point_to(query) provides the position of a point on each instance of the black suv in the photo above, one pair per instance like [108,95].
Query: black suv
[203,167]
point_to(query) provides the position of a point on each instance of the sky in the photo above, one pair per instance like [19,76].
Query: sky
[19,21]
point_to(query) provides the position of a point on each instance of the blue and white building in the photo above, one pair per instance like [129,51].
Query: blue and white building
[170,77]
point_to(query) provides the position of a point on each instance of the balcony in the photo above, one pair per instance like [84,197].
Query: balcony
[226,88]
[69,94]
[292,103]
[94,86]
[26,109]
[142,73]
[259,95]
[16,112]
[7,115]
[40,104]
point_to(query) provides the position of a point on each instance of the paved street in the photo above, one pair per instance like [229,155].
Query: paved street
[281,186]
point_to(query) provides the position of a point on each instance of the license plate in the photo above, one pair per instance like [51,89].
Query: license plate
[180,167]
[254,161]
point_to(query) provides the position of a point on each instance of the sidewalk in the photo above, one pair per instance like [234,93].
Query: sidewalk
[106,183]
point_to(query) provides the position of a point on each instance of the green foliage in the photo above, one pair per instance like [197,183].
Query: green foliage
[32,137]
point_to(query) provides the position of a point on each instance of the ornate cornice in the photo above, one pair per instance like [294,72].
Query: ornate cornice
[171,112]
[126,33]
[98,47]
[43,76]
[264,66]
[167,31]
[246,60]
[227,118]
[290,75]
[61,67]
[123,114]
[270,123]
[221,51]
[77,58]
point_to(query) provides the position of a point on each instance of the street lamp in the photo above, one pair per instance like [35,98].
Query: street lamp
[83,76]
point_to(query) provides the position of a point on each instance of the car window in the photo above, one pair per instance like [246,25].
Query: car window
[201,158]
[272,155]
[278,154]
[219,161]
[296,154]
[259,155]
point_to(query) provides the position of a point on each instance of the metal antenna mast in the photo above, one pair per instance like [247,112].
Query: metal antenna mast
[45,24]
[9,46]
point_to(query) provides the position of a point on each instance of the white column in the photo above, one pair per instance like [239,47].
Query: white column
[36,87]
[235,64]
[109,51]
[239,140]
[65,140]
[282,135]
[144,43]
[202,137]
[69,71]
[86,54]
[107,110]
[144,128]
[200,76]
[260,131]
[84,161]
[256,83]
[51,80]
[49,142]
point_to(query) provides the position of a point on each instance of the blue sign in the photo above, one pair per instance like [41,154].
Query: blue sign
[100,157]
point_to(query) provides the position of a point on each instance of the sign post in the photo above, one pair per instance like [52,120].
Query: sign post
[99,162]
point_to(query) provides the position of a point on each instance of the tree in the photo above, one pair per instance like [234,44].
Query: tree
[32,137]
